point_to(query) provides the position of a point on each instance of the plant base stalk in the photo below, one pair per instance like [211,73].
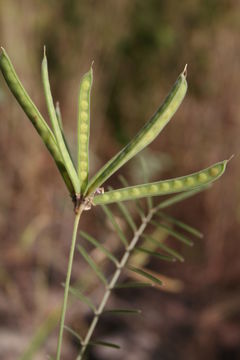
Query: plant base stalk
[67,283]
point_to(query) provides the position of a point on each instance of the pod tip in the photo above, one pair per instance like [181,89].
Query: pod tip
[185,70]
[231,157]
[91,69]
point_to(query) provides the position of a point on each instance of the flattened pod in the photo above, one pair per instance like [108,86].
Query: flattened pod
[145,136]
[184,183]
[84,128]
[34,115]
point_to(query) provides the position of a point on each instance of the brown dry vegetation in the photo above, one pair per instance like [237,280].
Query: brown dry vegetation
[139,47]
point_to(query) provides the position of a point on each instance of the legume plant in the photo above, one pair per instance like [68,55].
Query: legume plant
[88,193]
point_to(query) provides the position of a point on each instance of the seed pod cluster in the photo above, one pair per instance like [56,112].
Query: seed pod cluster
[82,190]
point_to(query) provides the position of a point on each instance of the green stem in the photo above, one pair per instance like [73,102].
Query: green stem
[67,283]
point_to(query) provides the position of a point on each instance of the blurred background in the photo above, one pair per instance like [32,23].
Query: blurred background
[139,48]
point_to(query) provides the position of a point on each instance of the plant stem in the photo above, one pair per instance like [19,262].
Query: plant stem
[67,282]
[114,280]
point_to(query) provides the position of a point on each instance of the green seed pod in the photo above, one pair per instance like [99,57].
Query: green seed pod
[145,136]
[166,187]
[59,118]
[57,127]
[84,128]
[34,115]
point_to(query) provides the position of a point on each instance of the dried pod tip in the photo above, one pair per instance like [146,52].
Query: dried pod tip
[185,70]
[231,157]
